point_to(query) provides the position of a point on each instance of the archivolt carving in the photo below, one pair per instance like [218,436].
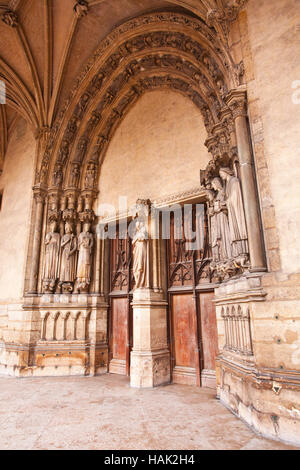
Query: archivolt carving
[205,98]
[223,17]
[210,66]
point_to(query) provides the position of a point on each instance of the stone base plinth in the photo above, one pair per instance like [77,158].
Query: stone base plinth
[184,375]
[258,365]
[149,369]
[267,400]
[55,335]
[208,378]
[150,357]
[117,366]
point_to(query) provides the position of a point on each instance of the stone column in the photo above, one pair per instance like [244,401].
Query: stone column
[39,197]
[237,102]
[150,357]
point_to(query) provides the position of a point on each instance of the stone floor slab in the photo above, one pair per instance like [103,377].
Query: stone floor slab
[105,413]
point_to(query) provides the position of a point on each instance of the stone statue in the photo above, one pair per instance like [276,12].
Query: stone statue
[85,246]
[75,175]
[236,216]
[68,259]
[57,176]
[213,226]
[90,176]
[52,241]
[222,226]
[139,244]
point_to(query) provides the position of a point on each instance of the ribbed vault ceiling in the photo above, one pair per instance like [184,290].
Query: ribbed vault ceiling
[44,44]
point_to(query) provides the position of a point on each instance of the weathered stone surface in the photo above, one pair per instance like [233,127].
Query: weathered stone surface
[147,103]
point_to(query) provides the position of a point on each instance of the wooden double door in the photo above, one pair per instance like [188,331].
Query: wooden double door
[120,337]
[192,316]
[192,325]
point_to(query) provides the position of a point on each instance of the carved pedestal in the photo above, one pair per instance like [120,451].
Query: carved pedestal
[56,334]
[73,335]
[150,357]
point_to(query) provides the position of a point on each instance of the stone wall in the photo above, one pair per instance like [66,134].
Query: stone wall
[157,150]
[16,183]
[265,392]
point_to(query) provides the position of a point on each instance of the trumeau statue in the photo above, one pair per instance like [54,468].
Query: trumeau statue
[68,259]
[139,244]
[85,246]
[236,215]
[52,241]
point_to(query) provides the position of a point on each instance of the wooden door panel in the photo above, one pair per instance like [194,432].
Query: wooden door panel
[209,337]
[119,339]
[184,344]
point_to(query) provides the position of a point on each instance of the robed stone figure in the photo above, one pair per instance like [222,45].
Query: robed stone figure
[85,247]
[213,226]
[52,241]
[236,215]
[68,257]
[139,244]
[222,225]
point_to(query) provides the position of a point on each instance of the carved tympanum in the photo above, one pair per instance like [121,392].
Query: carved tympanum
[10,18]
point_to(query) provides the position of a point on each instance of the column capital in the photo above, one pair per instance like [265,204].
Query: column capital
[236,100]
[39,194]
[42,133]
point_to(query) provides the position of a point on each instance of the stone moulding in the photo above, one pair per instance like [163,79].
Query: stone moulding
[262,377]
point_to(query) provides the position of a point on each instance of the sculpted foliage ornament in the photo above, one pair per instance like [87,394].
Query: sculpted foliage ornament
[225,16]
[10,18]
[81,8]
